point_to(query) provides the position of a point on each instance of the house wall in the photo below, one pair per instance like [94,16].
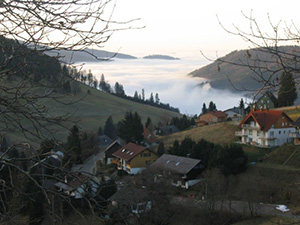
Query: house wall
[209,118]
[265,102]
[142,160]
[283,122]
[272,137]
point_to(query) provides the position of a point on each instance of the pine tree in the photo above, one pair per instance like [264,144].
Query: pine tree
[212,106]
[136,95]
[109,128]
[143,94]
[148,122]
[131,128]
[242,104]
[157,98]
[151,99]
[204,109]
[287,93]
[100,131]
[73,147]
[161,148]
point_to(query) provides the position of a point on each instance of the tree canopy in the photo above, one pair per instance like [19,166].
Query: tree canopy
[131,128]
[287,93]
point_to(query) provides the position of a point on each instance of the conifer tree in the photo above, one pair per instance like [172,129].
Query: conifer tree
[109,128]
[131,128]
[73,147]
[204,109]
[287,93]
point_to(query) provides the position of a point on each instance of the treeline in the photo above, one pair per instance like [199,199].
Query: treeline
[230,159]
[118,89]
[183,123]
[32,65]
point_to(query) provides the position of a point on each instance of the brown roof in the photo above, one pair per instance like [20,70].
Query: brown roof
[129,196]
[218,114]
[265,118]
[150,138]
[129,151]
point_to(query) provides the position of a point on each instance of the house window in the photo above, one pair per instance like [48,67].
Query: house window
[282,123]
[146,154]
[250,132]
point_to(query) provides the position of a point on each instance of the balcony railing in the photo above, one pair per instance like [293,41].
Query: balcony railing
[294,135]
[266,137]
[239,133]
[115,161]
[248,126]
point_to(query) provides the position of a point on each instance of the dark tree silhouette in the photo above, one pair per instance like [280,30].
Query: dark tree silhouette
[287,93]
[131,128]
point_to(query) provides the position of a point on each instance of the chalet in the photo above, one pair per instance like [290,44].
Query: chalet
[235,113]
[113,147]
[266,128]
[212,117]
[77,185]
[132,200]
[149,138]
[266,101]
[133,158]
[296,134]
[166,130]
[104,141]
[183,171]
[89,166]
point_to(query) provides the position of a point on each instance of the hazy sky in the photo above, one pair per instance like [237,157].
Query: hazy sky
[183,28]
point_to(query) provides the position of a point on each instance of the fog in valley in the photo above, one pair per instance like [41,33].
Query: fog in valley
[168,78]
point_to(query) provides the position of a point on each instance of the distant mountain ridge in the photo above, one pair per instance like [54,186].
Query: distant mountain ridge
[88,55]
[228,73]
[157,56]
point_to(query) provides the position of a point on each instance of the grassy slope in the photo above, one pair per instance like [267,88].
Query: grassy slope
[90,111]
[220,133]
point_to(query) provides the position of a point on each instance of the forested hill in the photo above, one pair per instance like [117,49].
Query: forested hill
[221,74]
[88,55]
[165,57]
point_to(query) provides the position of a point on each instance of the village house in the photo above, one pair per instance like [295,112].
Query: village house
[266,101]
[166,130]
[296,134]
[132,200]
[104,141]
[266,128]
[183,172]
[149,138]
[235,113]
[116,145]
[133,158]
[211,117]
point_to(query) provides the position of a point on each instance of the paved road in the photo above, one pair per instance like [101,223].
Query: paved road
[235,206]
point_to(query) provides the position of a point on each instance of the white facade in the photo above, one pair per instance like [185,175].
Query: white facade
[252,134]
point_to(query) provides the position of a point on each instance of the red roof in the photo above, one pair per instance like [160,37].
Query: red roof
[218,114]
[265,118]
[150,138]
[129,151]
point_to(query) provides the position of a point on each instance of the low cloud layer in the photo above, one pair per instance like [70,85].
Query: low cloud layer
[167,78]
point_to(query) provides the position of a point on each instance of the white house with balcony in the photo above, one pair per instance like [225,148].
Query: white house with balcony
[266,128]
